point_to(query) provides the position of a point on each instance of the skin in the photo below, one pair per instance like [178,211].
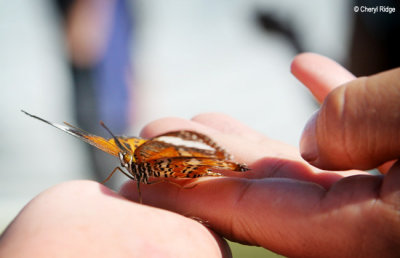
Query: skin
[283,203]
[86,219]
[357,124]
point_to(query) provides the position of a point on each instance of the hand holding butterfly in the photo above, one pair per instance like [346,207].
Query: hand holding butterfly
[283,203]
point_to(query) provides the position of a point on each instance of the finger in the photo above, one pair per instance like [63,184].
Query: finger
[205,123]
[287,216]
[319,74]
[228,125]
[357,125]
[390,192]
[232,142]
[265,157]
[228,132]
[169,124]
[164,125]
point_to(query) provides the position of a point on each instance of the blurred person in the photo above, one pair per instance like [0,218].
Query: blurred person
[98,35]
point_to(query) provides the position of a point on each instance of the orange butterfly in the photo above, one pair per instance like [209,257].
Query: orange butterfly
[178,154]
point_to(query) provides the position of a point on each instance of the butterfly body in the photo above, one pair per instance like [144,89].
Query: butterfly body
[177,154]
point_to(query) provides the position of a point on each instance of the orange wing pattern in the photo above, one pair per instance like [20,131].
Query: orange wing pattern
[180,144]
[185,167]
[180,154]
[97,141]
[129,143]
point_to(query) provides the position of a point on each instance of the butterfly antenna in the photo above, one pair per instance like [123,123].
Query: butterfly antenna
[119,144]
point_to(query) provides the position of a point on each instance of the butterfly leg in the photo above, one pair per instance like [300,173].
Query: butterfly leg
[115,170]
[164,181]
[139,192]
[172,183]
[156,182]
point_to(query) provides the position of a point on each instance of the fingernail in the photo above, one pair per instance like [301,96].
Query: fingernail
[308,141]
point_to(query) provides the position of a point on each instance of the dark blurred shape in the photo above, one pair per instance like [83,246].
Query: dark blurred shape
[376,38]
[268,22]
[98,35]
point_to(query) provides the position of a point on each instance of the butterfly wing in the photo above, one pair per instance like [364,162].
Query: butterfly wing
[131,143]
[101,143]
[180,144]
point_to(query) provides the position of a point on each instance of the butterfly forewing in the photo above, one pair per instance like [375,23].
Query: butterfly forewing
[130,143]
[101,143]
[179,154]
[97,141]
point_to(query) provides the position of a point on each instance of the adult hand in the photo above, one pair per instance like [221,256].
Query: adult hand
[283,203]
[86,219]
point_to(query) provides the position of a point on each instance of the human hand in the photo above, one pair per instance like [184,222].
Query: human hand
[86,219]
[283,203]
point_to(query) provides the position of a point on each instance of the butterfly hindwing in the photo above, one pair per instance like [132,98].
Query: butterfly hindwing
[190,167]
[196,137]
[180,144]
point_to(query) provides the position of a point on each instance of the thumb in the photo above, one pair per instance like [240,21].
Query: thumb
[357,126]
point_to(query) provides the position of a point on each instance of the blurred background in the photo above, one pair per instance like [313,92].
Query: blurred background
[128,62]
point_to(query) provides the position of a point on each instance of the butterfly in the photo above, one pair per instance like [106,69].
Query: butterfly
[177,154]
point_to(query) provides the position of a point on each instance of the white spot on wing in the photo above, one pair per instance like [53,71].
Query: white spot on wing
[186,143]
[194,162]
